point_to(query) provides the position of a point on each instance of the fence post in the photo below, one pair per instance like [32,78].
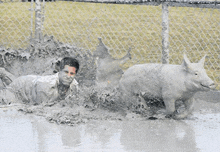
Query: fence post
[165,33]
[38,21]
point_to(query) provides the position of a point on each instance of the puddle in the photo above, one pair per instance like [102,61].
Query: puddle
[29,133]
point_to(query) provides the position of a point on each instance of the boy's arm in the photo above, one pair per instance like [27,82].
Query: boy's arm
[43,93]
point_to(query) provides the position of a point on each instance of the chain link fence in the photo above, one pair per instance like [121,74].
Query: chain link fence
[149,28]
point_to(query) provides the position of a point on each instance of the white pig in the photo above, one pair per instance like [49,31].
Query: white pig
[166,82]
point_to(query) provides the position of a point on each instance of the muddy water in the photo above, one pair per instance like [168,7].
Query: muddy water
[29,133]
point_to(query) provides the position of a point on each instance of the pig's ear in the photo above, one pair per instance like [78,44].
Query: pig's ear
[202,61]
[186,61]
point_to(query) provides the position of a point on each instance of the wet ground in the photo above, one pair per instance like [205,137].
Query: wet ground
[200,132]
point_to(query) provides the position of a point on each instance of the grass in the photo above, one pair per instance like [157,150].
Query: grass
[192,30]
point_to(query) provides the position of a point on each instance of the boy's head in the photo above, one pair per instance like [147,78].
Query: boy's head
[68,68]
[72,62]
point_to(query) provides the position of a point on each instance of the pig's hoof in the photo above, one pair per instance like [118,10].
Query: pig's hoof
[179,116]
[169,116]
[182,115]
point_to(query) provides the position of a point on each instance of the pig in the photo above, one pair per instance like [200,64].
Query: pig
[108,71]
[166,82]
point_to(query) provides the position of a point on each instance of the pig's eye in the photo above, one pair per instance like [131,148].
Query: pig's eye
[196,73]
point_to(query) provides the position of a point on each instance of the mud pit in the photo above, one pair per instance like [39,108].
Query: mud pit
[200,132]
[98,120]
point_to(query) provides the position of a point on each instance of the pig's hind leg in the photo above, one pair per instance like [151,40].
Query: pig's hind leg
[188,109]
[170,107]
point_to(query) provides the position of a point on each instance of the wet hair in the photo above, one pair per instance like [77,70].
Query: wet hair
[69,61]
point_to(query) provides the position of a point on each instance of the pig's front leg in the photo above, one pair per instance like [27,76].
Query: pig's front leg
[188,109]
[170,107]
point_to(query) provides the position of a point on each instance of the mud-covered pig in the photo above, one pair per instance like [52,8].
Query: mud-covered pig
[166,82]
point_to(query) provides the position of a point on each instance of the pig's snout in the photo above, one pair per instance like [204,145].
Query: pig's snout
[211,85]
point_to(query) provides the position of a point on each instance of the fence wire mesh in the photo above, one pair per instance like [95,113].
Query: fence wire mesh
[15,24]
[120,26]
[192,30]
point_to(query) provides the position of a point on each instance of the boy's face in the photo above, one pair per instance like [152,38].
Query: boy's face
[67,74]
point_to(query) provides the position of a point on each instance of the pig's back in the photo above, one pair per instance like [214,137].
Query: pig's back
[143,78]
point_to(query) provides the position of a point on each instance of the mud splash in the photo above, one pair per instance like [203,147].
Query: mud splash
[94,100]
[43,58]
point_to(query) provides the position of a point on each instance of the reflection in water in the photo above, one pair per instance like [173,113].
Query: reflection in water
[159,135]
[16,133]
[70,136]
[27,133]
[207,131]
[101,136]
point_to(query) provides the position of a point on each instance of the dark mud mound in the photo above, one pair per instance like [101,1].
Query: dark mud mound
[94,103]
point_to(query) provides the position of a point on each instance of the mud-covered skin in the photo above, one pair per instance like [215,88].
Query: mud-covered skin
[33,89]
[6,77]
[66,75]
[108,72]
[168,83]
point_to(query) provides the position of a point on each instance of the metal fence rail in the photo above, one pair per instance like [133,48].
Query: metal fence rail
[149,27]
